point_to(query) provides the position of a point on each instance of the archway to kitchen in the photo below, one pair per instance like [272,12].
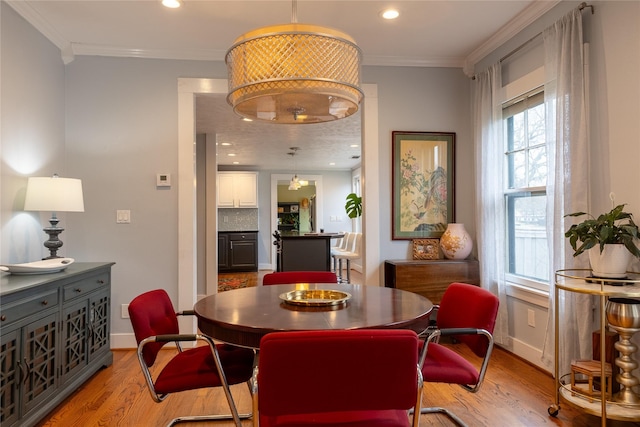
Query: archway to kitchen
[188,88]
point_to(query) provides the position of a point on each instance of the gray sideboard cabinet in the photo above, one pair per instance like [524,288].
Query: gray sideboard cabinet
[54,335]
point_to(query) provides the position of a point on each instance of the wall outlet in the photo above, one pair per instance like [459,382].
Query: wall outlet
[125,311]
[531,318]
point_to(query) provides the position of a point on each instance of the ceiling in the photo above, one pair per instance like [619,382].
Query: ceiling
[452,33]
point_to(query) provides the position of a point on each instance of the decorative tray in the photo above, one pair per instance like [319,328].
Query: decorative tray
[38,267]
[315,297]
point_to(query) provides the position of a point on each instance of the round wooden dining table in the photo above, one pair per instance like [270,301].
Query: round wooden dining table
[243,316]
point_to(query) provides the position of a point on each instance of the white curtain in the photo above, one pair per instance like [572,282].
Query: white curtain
[567,186]
[489,158]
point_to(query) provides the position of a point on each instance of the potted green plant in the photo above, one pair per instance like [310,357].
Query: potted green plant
[353,205]
[609,238]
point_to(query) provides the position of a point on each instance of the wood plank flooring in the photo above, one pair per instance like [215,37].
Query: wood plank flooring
[514,393]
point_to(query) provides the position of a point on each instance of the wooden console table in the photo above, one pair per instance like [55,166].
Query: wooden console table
[430,278]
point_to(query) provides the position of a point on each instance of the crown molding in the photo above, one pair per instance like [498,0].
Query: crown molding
[181,54]
[70,49]
[25,10]
[397,61]
[219,55]
[529,15]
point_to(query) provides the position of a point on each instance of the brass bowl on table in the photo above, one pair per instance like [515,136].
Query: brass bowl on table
[315,297]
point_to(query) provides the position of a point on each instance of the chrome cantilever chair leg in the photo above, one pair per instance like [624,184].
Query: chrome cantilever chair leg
[155,323]
[438,410]
[204,418]
[467,313]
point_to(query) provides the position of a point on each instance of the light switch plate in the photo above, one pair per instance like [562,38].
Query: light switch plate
[123,217]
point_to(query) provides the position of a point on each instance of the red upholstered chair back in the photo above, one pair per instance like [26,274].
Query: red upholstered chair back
[468,306]
[289,277]
[338,370]
[152,314]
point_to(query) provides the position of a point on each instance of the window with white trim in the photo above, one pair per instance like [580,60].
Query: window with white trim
[525,190]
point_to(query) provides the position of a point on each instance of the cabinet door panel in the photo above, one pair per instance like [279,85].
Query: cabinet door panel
[11,376]
[237,189]
[243,254]
[225,190]
[74,340]
[99,307]
[223,252]
[39,355]
[246,190]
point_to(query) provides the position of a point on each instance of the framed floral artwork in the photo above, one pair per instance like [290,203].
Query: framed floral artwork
[422,184]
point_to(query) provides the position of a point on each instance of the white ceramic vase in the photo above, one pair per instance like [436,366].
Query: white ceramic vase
[456,243]
[612,262]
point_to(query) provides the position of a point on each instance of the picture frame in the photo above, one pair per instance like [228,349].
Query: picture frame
[426,249]
[423,187]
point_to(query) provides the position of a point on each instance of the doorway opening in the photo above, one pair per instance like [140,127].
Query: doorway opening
[187,278]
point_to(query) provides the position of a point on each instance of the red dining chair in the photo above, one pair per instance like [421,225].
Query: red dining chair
[359,377]
[468,314]
[155,323]
[289,277]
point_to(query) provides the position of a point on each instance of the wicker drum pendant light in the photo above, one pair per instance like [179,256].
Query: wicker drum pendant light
[294,74]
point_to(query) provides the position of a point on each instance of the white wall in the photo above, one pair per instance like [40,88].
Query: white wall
[428,100]
[32,138]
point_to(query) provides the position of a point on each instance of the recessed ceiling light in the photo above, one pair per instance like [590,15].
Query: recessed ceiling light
[225,143]
[231,154]
[246,119]
[390,14]
[354,146]
[236,163]
[332,164]
[172,4]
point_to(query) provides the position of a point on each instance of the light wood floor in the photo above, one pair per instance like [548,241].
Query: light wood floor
[514,393]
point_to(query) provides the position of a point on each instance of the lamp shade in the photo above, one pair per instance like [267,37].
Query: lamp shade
[54,194]
[294,74]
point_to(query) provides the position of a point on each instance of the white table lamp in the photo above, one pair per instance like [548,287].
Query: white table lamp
[54,194]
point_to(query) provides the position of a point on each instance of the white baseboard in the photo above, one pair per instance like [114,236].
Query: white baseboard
[123,341]
[128,342]
[530,354]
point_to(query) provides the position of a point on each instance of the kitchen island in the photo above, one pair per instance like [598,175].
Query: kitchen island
[306,251]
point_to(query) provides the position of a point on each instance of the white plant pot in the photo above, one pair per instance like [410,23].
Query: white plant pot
[612,262]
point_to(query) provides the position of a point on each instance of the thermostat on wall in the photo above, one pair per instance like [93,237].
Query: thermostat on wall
[163,180]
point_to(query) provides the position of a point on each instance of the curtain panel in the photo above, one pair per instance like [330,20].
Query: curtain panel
[567,186]
[489,153]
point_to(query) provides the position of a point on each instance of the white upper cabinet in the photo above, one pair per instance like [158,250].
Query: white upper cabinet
[237,189]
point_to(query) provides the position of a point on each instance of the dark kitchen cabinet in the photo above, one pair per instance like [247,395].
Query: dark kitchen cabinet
[237,251]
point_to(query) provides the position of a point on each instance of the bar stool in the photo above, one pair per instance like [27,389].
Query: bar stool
[347,242]
[352,254]
[337,246]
